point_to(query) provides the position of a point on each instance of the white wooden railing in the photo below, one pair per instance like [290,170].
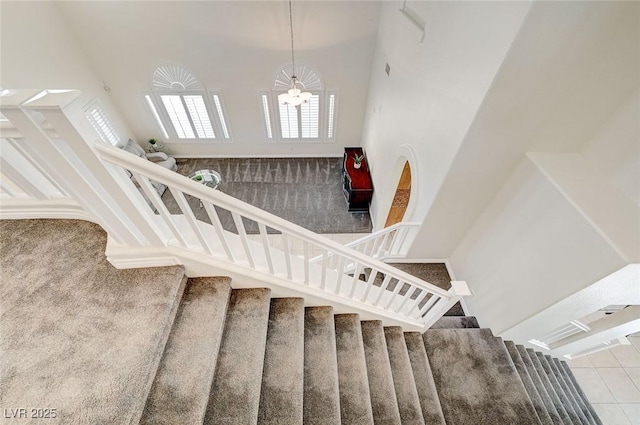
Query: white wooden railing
[385,288]
[98,179]
[601,346]
[29,191]
[383,244]
[572,328]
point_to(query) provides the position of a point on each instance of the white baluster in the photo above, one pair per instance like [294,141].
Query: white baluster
[217,225]
[341,262]
[305,249]
[23,182]
[191,219]
[323,277]
[425,308]
[265,244]
[396,290]
[18,147]
[39,147]
[458,290]
[155,199]
[237,219]
[372,278]
[407,297]
[356,279]
[287,254]
[128,199]
[418,300]
[383,288]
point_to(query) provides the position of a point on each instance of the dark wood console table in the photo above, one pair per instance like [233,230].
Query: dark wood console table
[357,185]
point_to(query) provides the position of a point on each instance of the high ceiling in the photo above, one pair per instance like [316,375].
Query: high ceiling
[233,46]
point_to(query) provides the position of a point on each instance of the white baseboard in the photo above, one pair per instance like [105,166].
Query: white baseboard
[140,263]
[123,257]
[463,304]
[25,209]
[228,156]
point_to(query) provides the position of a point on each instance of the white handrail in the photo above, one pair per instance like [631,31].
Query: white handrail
[407,303]
[387,230]
[381,244]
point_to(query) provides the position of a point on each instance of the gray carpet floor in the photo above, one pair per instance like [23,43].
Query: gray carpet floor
[78,335]
[305,191]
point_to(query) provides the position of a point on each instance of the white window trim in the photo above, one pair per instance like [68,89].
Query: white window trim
[335,115]
[207,96]
[159,122]
[225,116]
[300,139]
[116,138]
[267,126]
[274,112]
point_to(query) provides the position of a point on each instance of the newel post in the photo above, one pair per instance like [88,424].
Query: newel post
[459,289]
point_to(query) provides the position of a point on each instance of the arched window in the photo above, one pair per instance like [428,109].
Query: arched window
[183,109]
[311,121]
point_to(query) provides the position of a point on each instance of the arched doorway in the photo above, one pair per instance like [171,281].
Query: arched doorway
[401,197]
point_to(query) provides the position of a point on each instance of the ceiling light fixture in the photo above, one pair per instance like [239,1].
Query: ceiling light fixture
[294,96]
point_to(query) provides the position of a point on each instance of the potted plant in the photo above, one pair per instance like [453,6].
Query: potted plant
[154,145]
[357,161]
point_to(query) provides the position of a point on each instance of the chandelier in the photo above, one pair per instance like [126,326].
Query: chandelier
[294,96]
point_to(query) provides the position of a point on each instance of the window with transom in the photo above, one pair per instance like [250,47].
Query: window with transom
[183,110]
[312,121]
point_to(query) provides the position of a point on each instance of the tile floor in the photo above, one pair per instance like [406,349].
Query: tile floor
[611,381]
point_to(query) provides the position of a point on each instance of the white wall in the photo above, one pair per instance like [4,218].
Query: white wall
[235,47]
[39,52]
[434,89]
[615,149]
[619,288]
[527,234]
[612,214]
[568,71]
[528,250]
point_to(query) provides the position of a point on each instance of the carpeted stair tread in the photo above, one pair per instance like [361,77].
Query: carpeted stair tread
[579,392]
[581,410]
[355,401]
[566,402]
[144,346]
[78,334]
[423,378]
[321,390]
[456,322]
[540,386]
[403,381]
[383,395]
[568,385]
[476,380]
[180,391]
[538,404]
[283,371]
[235,395]
[551,389]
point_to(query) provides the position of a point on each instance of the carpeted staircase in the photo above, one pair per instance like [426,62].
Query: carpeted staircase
[241,357]
[98,345]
